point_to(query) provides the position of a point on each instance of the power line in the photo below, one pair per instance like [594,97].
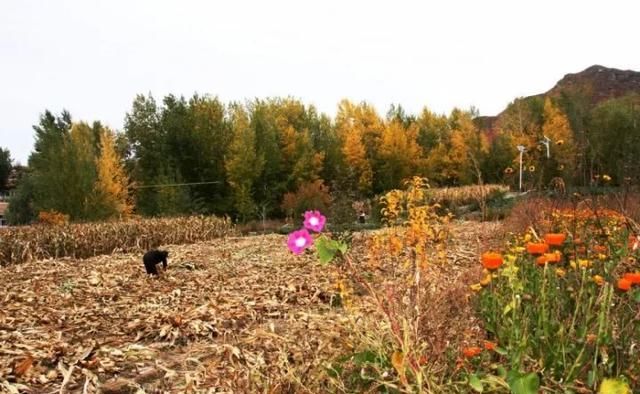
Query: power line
[175,184]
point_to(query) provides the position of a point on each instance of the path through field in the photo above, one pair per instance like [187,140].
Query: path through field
[234,315]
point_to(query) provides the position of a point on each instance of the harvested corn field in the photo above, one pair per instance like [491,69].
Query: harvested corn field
[229,315]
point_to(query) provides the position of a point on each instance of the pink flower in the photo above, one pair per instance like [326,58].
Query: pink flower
[299,241]
[313,220]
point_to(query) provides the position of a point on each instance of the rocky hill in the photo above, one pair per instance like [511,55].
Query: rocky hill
[597,83]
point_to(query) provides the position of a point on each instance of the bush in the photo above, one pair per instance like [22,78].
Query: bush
[53,218]
[309,196]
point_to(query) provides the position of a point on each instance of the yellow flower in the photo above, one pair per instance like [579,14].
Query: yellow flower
[602,257]
[573,264]
[599,280]
[527,237]
[476,287]
[486,280]
[560,272]
[532,168]
[606,178]
[584,263]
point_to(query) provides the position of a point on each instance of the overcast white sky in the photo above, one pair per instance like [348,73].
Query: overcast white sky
[91,57]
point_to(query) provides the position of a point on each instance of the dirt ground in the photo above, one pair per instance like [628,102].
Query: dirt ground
[233,315]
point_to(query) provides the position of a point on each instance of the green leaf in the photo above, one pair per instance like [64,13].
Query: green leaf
[327,249]
[614,386]
[509,307]
[636,296]
[591,378]
[501,351]
[520,383]
[501,372]
[364,357]
[325,255]
[342,247]
[475,383]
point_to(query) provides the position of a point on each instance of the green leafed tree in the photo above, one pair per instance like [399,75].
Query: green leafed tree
[21,209]
[614,135]
[148,151]
[5,167]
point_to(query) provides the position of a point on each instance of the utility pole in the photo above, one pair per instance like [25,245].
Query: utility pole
[546,142]
[521,149]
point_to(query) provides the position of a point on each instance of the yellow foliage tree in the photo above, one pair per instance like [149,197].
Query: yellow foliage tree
[112,182]
[468,146]
[556,126]
[360,129]
[400,153]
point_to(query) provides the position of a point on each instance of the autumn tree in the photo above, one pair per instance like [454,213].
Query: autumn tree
[80,174]
[300,162]
[562,150]
[112,183]
[400,153]
[243,164]
[360,130]
[433,129]
[459,154]
[468,149]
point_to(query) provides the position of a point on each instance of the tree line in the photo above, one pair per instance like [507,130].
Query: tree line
[275,157]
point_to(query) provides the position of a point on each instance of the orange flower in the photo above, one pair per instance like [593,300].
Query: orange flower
[624,284]
[633,277]
[491,261]
[537,248]
[470,352]
[488,345]
[541,260]
[549,258]
[634,241]
[555,239]
[600,249]
[553,257]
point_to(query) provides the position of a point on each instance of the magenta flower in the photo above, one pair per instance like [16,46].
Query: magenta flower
[299,241]
[313,220]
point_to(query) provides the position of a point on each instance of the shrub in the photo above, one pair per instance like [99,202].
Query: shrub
[53,218]
[309,196]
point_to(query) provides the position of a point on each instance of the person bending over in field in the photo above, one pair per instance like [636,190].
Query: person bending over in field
[154,257]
